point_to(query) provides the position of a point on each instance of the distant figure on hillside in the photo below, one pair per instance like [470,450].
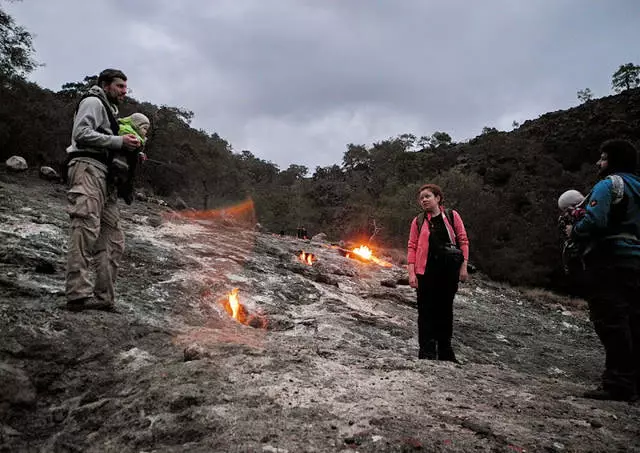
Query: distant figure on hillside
[609,233]
[302,233]
[438,252]
[123,167]
[92,198]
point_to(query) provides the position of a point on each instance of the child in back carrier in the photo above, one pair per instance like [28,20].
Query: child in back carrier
[571,204]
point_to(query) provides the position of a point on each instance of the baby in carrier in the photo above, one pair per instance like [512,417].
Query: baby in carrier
[124,163]
[571,204]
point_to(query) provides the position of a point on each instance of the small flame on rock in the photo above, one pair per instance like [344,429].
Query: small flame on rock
[364,253]
[239,312]
[307,258]
[234,305]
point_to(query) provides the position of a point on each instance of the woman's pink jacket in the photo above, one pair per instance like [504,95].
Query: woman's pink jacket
[418,247]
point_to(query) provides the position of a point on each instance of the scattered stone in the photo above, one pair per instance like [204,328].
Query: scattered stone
[49,174]
[16,386]
[389,283]
[270,449]
[16,163]
[7,430]
[352,440]
[45,267]
[136,358]
[154,220]
[403,281]
[194,352]
[180,204]
[320,237]
[482,429]
[555,447]
[258,227]
[141,196]
[279,323]
[595,423]
[323,278]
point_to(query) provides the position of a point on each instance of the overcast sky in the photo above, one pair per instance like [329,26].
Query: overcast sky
[295,81]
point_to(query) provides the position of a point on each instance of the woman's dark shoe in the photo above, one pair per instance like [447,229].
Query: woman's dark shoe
[607,395]
[429,351]
[445,352]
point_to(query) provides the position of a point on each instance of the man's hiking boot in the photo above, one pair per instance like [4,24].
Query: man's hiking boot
[90,303]
[606,395]
[102,306]
[77,304]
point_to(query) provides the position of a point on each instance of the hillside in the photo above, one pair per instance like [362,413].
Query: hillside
[327,362]
[504,184]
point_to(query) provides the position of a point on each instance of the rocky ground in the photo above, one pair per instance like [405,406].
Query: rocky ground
[328,363]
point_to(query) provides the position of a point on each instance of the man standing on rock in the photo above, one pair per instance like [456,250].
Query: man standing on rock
[92,200]
[610,233]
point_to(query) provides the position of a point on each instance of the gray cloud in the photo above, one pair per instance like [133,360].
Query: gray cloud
[294,81]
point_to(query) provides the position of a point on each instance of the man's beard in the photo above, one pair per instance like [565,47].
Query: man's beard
[113,99]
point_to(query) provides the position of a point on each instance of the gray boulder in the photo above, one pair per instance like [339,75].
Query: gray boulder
[49,174]
[16,163]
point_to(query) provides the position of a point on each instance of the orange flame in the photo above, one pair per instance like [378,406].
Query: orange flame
[307,258]
[238,311]
[365,253]
[234,304]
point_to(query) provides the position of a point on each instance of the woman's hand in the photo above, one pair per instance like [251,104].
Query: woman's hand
[413,280]
[464,273]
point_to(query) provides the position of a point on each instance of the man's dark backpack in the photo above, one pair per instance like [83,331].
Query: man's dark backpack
[113,123]
[450,254]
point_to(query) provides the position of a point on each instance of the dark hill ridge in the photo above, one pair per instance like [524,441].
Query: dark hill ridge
[517,176]
[504,184]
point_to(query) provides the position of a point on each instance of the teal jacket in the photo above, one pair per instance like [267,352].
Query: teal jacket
[608,228]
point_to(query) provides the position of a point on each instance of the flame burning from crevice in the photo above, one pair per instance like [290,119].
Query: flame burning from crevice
[364,253]
[307,258]
[239,312]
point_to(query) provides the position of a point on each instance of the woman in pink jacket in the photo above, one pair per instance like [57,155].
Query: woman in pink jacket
[429,271]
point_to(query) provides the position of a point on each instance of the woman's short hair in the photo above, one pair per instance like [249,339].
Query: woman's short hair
[434,189]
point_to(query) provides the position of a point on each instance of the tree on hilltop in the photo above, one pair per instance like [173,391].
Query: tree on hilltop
[626,77]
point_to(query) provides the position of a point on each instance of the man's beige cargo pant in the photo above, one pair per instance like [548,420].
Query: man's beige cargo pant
[96,234]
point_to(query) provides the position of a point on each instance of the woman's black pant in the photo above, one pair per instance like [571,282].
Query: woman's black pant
[436,291]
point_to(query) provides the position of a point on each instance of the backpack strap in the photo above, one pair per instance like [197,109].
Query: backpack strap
[617,188]
[115,128]
[448,213]
[113,122]
[419,221]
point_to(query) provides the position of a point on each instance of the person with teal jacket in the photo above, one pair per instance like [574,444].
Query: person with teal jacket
[124,164]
